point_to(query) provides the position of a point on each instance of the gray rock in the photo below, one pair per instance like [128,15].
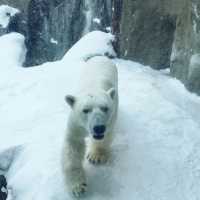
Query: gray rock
[53,27]
[98,15]
[186,46]
[146,33]
[19,4]
[18,23]
[60,24]
[193,82]
[3,31]
[3,188]
[116,19]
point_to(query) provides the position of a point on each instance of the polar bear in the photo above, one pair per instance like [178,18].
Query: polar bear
[93,114]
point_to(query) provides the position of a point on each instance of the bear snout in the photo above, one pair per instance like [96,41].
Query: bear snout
[99,132]
[100,129]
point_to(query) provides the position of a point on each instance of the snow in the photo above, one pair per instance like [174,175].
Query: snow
[108,29]
[5,13]
[101,44]
[53,41]
[156,151]
[12,55]
[97,20]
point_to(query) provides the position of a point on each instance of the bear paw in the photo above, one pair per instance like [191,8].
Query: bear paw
[97,157]
[79,189]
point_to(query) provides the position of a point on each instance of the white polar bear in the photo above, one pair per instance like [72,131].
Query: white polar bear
[93,114]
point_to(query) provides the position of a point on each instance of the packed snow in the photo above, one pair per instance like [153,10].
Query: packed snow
[5,13]
[156,151]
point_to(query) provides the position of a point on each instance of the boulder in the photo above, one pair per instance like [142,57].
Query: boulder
[3,188]
[146,32]
[186,47]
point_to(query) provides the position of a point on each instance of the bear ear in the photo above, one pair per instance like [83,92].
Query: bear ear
[70,100]
[112,92]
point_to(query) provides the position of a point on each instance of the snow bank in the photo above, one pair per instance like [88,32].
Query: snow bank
[12,50]
[5,13]
[94,43]
[156,152]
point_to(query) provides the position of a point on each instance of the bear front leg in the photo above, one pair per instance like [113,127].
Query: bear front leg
[72,165]
[77,181]
[99,151]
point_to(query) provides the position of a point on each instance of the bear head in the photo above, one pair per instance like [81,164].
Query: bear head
[93,112]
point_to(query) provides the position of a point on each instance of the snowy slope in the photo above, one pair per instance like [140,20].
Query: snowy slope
[156,152]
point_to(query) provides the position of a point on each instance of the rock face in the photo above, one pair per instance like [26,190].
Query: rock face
[146,33]
[116,19]
[59,26]
[52,27]
[162,34]
[20,4]
[185,59]
[98,15]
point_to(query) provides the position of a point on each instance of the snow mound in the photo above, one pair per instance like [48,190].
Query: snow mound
[93,43]
[157,144]
[12,50]
[5,13]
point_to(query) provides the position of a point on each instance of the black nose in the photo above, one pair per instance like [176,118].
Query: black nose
[99,129]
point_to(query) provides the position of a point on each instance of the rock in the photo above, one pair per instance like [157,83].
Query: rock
[193,83]
[19,4]
[116,18]
[186,48]
[98,15]
[6,14]
[3,188]
[146,33]
[53,27]
[18,23]
[60,24]
[181,52]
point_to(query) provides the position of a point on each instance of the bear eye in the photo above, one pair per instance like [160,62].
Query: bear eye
[86,110]
[104,109]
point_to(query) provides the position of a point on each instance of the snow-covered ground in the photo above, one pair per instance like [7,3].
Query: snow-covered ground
[156,152]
